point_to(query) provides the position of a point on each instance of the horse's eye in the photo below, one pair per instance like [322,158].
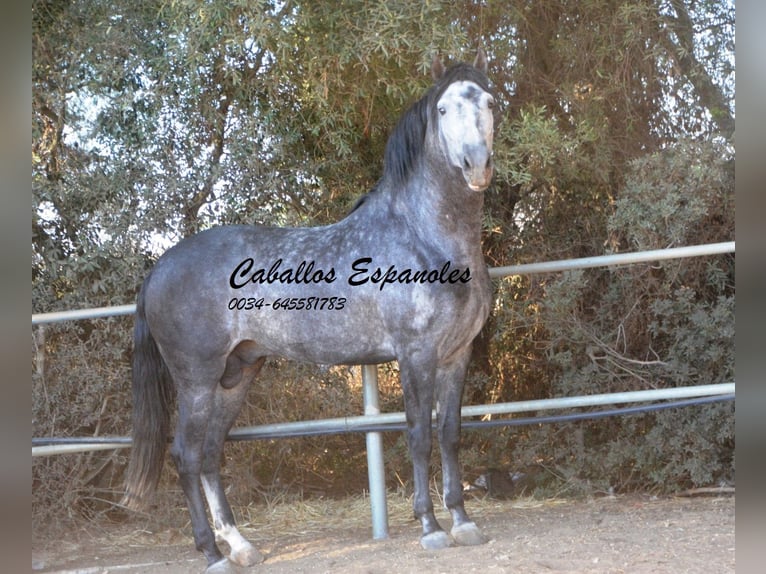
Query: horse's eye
[442,110]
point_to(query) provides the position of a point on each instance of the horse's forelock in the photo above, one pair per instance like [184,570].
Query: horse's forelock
[458,73]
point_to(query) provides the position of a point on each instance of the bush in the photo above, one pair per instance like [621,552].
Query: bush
[656,325]
[80,387]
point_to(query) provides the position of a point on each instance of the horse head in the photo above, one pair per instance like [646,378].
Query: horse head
[465,121]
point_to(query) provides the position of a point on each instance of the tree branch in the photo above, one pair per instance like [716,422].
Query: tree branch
[709,94]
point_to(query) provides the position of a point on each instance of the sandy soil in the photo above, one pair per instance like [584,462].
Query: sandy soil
[636,534]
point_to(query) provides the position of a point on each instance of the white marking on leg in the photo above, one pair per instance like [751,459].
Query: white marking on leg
[239,546]
[242,552]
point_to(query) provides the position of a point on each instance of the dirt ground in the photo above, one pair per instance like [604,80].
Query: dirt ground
[636,534]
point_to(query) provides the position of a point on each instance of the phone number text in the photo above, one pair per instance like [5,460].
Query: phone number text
[288,303]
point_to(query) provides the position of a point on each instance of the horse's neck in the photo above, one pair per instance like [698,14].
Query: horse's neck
[444,215]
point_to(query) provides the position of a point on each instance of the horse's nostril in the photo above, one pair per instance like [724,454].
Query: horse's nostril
[489,162]
[466,163]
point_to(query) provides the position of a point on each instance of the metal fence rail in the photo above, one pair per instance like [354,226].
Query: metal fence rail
[93,313]
[392,420]
[370,383]
[614,259]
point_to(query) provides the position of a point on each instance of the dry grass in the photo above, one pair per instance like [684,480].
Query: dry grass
[283,518]
[312,517]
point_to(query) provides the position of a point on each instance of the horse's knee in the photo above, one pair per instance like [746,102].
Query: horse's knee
[449,431]
[419,437]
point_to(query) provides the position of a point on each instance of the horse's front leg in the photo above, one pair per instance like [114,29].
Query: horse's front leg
[418,389]
[449,382]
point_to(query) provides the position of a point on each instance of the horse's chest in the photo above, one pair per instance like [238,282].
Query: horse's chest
[452,315]
[471,309]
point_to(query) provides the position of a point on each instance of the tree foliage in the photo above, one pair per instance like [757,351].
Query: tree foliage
[647,326]
[153,119]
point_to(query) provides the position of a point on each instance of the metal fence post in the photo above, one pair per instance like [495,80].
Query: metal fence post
[375,469]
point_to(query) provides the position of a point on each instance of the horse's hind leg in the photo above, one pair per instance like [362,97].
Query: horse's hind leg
[229,397]
[194,409]
[449,382]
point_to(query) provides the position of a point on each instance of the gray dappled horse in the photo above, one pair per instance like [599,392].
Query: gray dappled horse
[402,277]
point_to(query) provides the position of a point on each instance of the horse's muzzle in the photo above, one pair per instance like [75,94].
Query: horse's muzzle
[478,178]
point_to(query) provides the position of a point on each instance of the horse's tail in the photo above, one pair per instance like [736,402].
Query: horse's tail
[153,395]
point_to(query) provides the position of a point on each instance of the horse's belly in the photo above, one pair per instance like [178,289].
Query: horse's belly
[320,335]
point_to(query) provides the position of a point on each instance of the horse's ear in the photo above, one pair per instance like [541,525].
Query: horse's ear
[480,63]
[437,68]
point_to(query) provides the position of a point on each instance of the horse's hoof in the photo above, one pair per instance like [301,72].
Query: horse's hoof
[435,540]
[467,534]
[223,566]
[246,556]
